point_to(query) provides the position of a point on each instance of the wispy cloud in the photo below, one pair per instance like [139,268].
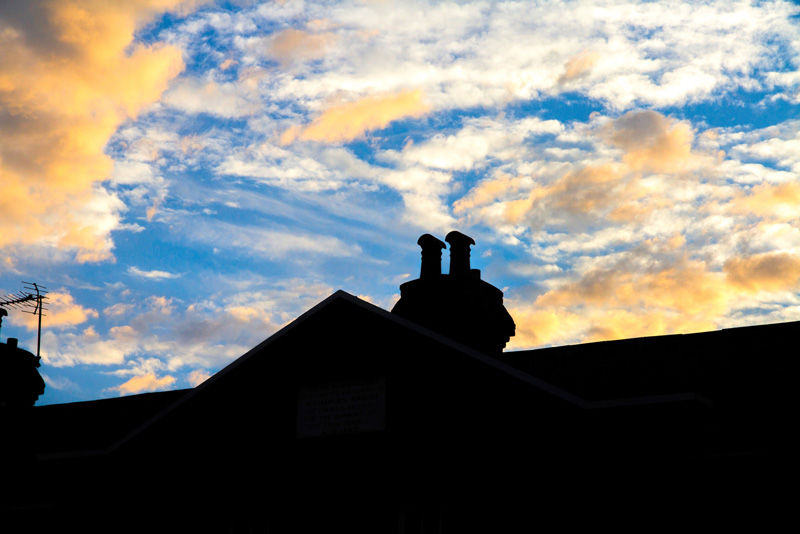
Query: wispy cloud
[350,120]
[152,275]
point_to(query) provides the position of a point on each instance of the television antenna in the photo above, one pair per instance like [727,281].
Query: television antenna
[29,300]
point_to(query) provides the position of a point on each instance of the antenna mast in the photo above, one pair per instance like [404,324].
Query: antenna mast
[29,300]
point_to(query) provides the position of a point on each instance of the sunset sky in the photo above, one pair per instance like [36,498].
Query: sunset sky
[185,178]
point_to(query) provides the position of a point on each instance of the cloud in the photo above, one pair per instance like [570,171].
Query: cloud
[773,271]
[480,142]
[624,300]
[297,45]
[770,201]
[649,229]
[629,298]
[686,287]
[578,67]
[224,99]
[468,55]
[350,120]
[60,383]
[197,377]
[69,76]
[652,142]
[276,244]
[117,310]
[148,382]
[779,143]
[152,275]
[60,311]
[66,349]
[205,334]
[489,191]
[636,170]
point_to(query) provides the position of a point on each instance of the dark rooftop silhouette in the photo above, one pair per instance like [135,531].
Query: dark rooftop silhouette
[458,305]
[20,382]
[352,418]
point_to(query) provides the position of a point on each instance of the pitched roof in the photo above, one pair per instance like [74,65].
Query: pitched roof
[634,372]
[134,414]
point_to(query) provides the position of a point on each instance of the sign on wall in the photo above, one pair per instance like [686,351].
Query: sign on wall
[341,407]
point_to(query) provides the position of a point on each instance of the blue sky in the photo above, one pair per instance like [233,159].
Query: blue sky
[188,177]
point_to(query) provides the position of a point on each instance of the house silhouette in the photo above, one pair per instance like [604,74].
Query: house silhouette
[356,419]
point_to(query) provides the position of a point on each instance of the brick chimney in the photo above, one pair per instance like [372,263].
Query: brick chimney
[20,382]
[458,305]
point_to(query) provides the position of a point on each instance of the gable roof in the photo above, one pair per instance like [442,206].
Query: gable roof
[528,367]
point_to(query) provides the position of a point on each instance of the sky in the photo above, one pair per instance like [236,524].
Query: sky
[186,177]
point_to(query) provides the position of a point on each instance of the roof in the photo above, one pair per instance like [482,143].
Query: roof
[565,421]
[95,425]
[696,368]
[98,427]
[717,365]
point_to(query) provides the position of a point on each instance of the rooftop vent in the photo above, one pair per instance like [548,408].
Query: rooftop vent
[458,305]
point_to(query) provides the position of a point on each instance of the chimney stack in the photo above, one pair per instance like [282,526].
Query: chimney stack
[431,256]
[459,253]
[458,305]
[20,382]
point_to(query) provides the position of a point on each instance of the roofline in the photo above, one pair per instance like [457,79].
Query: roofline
[678,335]
[343,295]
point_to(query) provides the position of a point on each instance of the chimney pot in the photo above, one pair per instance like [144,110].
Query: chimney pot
[460,306]
[459,253]
[431,256]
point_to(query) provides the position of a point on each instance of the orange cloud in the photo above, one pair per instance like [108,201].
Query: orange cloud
[588,190]
[625,301]
[350,120]
[612,190]
[602,191]
[687,288]
[775,271]
[536,327]
[60,310]
[197,377]
[578,66]
[487,192]
[68,79]
[652,142]
[620,302]
[296,45]
[148,382]
[773,201]
[622,324]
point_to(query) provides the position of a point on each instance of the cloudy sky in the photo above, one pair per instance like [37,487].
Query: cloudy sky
[187,177]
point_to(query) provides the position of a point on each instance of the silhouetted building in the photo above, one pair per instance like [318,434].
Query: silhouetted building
[355,419]
[20,382]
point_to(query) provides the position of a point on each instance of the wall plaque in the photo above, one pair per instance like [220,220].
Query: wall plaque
[341,407]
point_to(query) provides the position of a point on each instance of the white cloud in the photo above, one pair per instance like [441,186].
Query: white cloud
[781,145]
[152,275]
[165,336]
[224,99]
[478,140]
[275,244]
[481,54]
